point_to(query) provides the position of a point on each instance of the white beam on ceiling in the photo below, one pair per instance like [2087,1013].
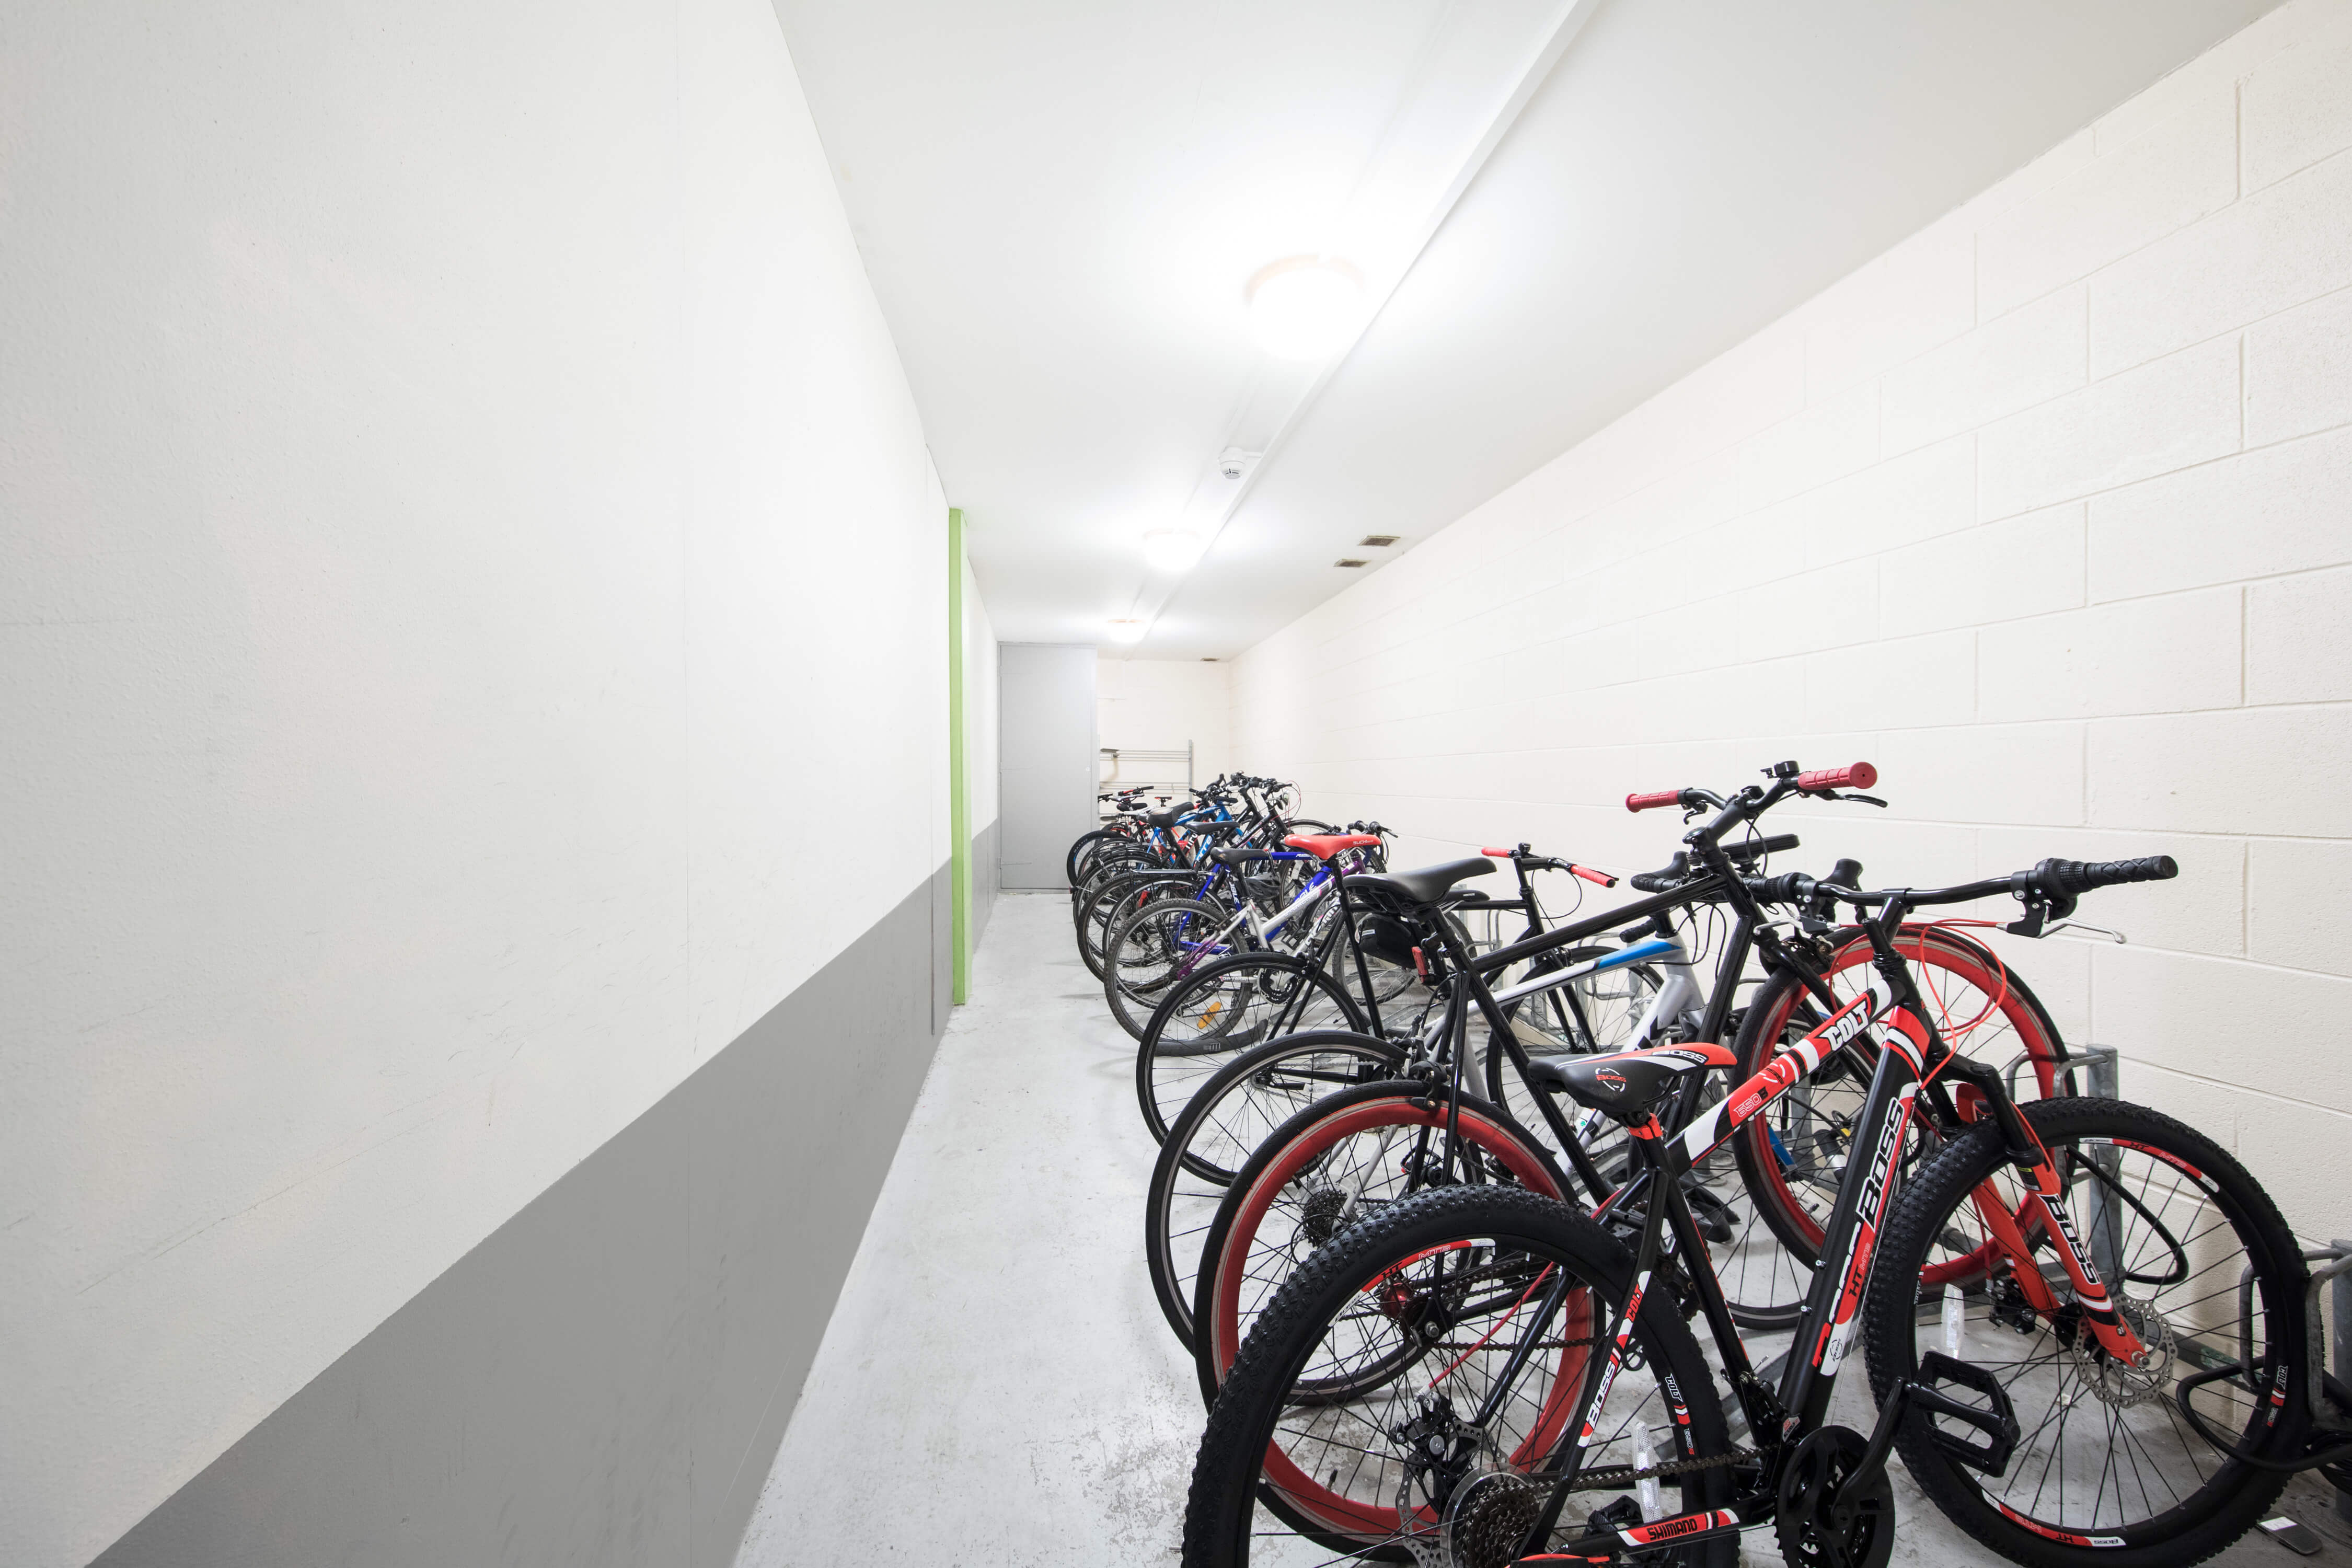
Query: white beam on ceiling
[1452,116]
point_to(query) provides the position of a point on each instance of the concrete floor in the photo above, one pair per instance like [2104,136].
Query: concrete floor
[997,1386]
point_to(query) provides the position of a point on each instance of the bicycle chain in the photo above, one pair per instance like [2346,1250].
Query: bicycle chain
[1617,1478]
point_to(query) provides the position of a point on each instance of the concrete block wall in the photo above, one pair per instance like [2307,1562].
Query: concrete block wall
[1157,703]
[2047,512]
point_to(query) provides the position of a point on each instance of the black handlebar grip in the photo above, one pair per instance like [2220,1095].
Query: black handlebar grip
[1664,877]
[1845,874]
[1778,844]
[2067,878]
[1788,888]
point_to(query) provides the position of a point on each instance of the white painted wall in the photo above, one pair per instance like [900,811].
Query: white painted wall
[1160,703]
[439,444]
[2048,511]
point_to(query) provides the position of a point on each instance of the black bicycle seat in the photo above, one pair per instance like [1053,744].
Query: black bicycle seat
[1423,888]
[1624,1084]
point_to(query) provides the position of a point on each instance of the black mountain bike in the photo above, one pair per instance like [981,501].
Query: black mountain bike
[2085,1324]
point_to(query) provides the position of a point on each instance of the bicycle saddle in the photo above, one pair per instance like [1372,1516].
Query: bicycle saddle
[1423,888]
[1235,859]
[1624,1084]
[1323,846]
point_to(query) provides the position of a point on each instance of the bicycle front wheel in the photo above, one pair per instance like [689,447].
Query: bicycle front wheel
[1465,1326]
[2196,1259]
[1160,945]
[1791,1160]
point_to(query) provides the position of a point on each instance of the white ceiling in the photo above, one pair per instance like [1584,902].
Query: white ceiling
[1061,204]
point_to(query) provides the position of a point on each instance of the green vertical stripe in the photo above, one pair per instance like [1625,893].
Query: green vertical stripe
[958,785]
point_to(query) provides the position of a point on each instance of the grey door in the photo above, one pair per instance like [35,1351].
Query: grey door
[1045,760]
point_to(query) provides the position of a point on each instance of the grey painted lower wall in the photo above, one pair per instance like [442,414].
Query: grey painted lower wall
[607,1377]
[984,881]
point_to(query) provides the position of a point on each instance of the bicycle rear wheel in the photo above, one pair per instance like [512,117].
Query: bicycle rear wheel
[1233,1113]
[1228,1008]
[1418,1315]
[1341,1160]
[2196,1259]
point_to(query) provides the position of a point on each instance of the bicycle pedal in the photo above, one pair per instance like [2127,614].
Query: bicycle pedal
[1996,1418]
[1623,1514]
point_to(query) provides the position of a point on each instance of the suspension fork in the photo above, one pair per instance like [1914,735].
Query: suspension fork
[1849,1241]
[2037,1169]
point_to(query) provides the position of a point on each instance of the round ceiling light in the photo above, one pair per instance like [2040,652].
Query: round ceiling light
[1172,548]
[1307,307]
[1125,631]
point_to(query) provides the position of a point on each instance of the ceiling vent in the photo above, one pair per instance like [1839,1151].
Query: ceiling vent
[1351,561]
[1376,541]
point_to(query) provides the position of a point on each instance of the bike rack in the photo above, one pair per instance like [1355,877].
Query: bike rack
[2343,1249]
[2100,1064]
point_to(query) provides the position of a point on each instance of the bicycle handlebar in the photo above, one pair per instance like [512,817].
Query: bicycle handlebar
[1652,799]
[2051,879]
[1529,860]
[1679,868]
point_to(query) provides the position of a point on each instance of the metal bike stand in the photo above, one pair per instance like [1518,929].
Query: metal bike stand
[2343,1336]
[2102,1078]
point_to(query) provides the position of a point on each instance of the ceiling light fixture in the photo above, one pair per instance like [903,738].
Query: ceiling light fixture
[1125,631]
[1307,307]
[1172,548]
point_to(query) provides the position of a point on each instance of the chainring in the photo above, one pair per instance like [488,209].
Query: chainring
[1827,1517]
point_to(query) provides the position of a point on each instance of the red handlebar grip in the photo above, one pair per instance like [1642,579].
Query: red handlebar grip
[1862,775]
[1654,797]
[1589,875]
[1497,854]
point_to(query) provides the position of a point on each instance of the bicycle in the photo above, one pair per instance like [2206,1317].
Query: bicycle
[1167,940]
[1236,1002]
[1343,1152]
[1549,1309]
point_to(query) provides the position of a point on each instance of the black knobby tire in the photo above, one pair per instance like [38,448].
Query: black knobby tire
[2078,1131]
[1227,1485]
[1170,1069]
[1214,1137]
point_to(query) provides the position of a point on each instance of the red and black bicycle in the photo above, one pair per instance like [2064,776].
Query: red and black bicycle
[2084,1321]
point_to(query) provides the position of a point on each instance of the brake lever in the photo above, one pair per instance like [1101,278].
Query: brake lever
[1855,795]
[2112,935]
